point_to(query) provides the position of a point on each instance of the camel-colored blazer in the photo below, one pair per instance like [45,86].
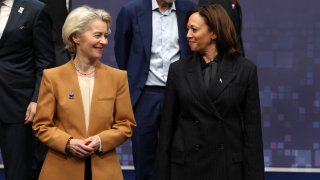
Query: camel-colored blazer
[60,115]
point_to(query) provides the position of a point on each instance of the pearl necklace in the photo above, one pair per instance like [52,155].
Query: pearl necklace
[82,73]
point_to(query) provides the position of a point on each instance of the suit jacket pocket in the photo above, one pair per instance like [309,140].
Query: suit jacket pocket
[177,157]
[105,98]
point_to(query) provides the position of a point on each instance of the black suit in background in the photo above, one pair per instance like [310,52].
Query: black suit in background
[26,48]
[211,133]
[58,12]
[235,15]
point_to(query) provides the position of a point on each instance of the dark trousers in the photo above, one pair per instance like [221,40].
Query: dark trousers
[147,113]
[17,149]
[87,168]
[38,159]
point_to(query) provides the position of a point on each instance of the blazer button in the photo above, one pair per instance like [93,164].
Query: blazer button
[197,147]
[221,146]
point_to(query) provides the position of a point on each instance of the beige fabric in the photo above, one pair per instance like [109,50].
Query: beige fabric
[86,88]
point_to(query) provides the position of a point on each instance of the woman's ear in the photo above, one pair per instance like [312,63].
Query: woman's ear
[75,38]
[214,36]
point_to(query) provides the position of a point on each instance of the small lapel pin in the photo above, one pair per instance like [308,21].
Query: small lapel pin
[71,95]
[21,10]
[220,81]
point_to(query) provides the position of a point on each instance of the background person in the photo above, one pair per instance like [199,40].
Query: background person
[26,48]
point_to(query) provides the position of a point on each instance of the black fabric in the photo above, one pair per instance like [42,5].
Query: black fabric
[17,147]
[87,169]
[209,70]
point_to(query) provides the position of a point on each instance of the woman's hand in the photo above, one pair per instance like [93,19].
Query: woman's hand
[80,148]
[93,142]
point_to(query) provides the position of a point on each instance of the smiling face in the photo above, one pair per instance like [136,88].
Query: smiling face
[199,37]
[91,43]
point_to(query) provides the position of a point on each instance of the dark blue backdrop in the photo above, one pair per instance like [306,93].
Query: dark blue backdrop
[283,38]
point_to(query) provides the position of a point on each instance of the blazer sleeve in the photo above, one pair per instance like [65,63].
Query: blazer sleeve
[124,121]
[43,124]
[123,37]
[43,46]
[170,113]
[253,146]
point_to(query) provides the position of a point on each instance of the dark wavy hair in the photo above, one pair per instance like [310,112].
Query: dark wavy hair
[219,22]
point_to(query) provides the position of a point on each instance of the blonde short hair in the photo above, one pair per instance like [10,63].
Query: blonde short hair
[79,20]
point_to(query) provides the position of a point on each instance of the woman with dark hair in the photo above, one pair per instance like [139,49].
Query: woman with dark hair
[234,11]
[211,125]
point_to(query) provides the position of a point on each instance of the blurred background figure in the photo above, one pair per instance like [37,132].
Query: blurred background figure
[211,124]
[58,10]
[234,10]
[26,48]
[84,108]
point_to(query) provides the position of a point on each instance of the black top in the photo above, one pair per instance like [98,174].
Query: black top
[209,70]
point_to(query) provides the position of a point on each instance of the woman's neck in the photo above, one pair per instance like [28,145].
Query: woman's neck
[84,66]
[209,54]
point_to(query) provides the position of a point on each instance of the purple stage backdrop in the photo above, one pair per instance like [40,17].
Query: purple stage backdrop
[283,38]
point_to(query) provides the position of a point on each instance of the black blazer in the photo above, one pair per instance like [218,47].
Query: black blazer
[214,133]
[26,48]
[234,13]
[59,12]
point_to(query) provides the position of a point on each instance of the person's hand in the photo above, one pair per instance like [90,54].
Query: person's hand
[93,142]
[79,148]
[30,113]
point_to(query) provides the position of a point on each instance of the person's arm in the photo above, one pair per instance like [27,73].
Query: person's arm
[44,52]
[43,124]
[122,38]
[43,46]
[167,124]
[253,147]
[124,121]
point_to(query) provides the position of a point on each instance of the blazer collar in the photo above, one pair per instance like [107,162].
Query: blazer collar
[224,76]
[206,97]
[145,26]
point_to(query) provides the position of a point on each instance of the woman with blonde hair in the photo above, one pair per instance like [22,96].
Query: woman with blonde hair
[84,109]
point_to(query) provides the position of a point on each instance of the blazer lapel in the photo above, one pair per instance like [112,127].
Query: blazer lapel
[98,89]
[224,76]
[18,9]
[145,27]
[77,105]
[196,84]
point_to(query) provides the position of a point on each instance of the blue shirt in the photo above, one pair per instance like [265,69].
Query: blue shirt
[165,44]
